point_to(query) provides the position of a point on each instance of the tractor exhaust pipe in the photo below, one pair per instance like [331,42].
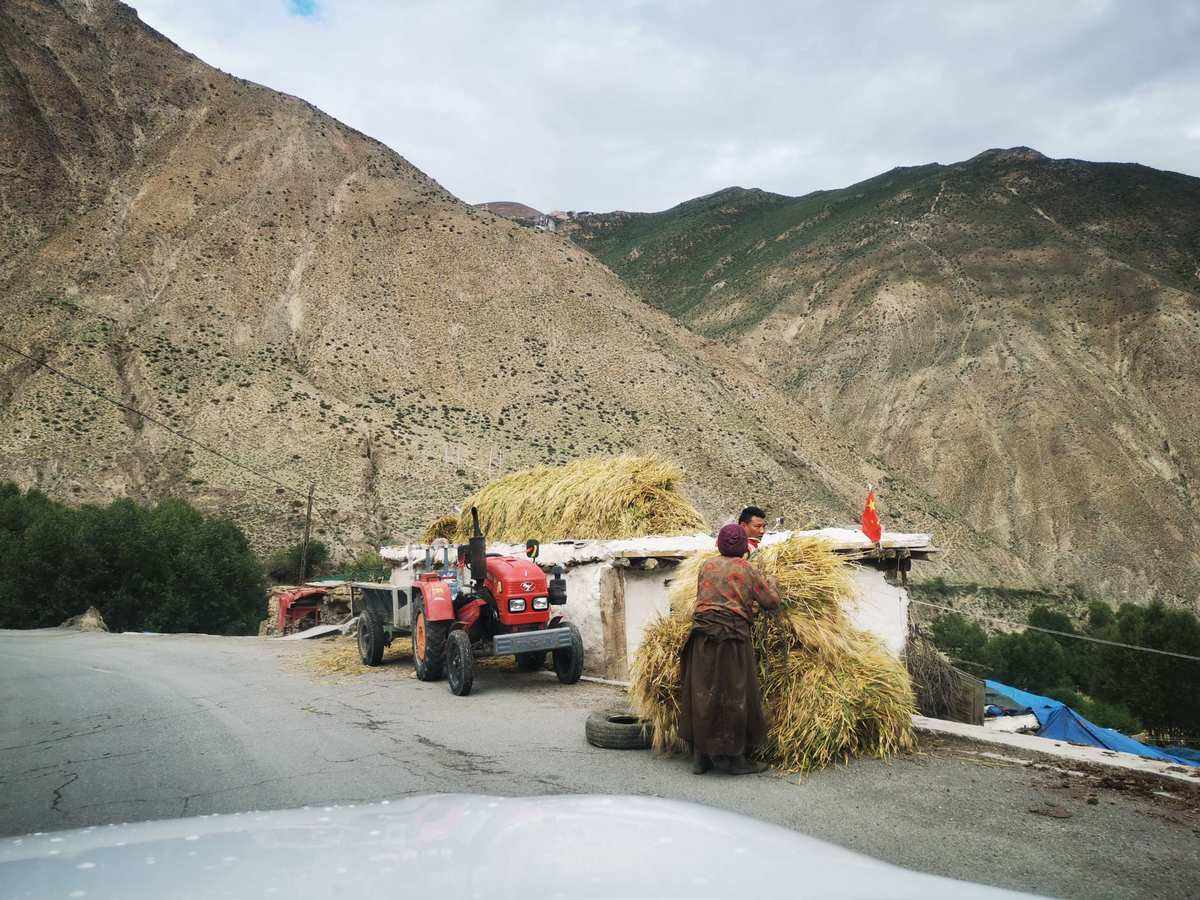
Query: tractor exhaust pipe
[477,550]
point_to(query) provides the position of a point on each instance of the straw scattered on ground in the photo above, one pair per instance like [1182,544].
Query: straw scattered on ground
[602,498]
[339,657]
[831,691]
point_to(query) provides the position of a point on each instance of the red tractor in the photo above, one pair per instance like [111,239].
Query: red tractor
[477,605]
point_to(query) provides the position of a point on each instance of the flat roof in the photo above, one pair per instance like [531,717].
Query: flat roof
[854,544]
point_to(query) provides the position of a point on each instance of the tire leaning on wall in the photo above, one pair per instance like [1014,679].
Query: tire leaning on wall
[617,729]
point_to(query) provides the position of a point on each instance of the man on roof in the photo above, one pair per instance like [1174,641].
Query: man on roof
[753,520]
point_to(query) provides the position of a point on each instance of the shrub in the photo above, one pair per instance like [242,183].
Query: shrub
[284,565]
[959,637]
[159,568]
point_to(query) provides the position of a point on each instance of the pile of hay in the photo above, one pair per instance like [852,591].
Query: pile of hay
[442,527]
[942,690]
[600,498]
[830,690]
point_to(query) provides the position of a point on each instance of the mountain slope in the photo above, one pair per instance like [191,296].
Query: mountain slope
[510,209]
[1015,333]
[296,296]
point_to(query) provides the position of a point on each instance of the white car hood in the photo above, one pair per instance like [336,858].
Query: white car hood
[457,846]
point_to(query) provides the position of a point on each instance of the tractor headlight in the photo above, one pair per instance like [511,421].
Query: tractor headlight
[541,603]
[516,604]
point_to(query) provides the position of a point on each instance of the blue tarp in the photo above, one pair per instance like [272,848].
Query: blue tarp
[1061,723]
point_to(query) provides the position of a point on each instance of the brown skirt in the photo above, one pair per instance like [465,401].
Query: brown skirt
[721,711]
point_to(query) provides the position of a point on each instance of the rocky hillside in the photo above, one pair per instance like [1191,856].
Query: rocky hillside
[509,209]
[1015,333]
[295,296]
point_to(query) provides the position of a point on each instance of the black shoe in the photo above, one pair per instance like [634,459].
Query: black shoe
[739,765]
[701,763]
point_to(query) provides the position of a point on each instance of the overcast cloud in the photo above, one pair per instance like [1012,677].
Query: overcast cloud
[641,105]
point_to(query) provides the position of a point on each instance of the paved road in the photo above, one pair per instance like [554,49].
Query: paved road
[96,728]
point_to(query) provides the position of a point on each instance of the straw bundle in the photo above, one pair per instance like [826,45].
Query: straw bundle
[830,690]
[942,691]
[599,498]
[442,527]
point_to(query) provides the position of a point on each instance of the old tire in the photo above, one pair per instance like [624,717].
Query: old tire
[568,661]
[460,663]
[370,638]
[531,662]
[617,729]
[429,644]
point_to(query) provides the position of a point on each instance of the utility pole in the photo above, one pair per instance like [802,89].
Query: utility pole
[312,486]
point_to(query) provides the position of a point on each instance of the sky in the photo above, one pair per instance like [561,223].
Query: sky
[639,105]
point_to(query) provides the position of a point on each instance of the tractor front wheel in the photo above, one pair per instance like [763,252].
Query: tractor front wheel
[370,638]
[568,661]
[429,643]
[460,663]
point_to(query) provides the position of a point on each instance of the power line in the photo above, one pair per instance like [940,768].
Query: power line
[149,418]
[1067,634]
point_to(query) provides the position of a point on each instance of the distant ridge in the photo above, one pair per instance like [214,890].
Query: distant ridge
[1015,333]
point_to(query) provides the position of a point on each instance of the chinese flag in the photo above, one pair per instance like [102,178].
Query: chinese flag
[870,520]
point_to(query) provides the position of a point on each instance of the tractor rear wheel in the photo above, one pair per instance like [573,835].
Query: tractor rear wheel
[460,663]
[429,643]
[533,661]
[370,638]
[568,661]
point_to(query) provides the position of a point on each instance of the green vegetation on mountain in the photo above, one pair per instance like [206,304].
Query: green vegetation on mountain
[738,236]
[1013,335]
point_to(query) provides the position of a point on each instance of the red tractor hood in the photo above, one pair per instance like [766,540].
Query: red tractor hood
[515,572]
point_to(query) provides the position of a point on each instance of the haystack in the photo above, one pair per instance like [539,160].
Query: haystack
[600,498]
[442,527]
[830,691]
[942,690]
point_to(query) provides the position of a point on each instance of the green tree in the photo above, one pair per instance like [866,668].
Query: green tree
[1163,691]
[1081,657]
[959,637]
[160,568]
[366,566]
[1030,660]
[284,565]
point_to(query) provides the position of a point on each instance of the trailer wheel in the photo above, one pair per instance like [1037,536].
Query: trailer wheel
[617,729]
[568,661]
[370,638]
[429,643]
[460,663]
[533,661]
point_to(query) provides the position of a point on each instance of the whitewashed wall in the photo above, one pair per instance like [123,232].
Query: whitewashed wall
[645,600]
[880,608]
[583,609]
[877,607]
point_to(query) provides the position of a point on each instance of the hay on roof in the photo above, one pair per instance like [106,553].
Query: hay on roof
[601,498]
[830,691]
[442,527]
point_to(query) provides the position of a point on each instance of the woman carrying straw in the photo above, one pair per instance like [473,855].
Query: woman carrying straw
[721,710]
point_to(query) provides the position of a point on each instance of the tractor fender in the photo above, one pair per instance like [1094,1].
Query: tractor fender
[439,604]
[555,622]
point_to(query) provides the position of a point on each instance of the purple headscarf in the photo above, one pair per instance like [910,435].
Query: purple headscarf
[731,540]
